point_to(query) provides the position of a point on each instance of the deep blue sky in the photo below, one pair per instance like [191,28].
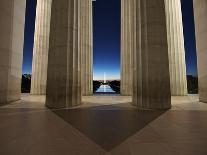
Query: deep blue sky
[106,26]
[106,29]
[189,34]
[29,36]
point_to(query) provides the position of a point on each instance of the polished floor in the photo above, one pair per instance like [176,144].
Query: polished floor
[103,125]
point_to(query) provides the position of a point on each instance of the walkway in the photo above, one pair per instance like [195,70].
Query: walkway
[97,128]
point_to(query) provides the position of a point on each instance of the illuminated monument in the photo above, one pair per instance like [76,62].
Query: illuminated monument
[152,51]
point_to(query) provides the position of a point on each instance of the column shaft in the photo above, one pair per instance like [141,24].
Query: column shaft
[64,61]
[12,21]
[41,47]
[127,45]
[176,48]
[86,47]
[200,13]
[151,79]
[91,49]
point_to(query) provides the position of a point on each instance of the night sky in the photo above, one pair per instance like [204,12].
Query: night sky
[106,25]
[29,36]
[106,29]
[189,34]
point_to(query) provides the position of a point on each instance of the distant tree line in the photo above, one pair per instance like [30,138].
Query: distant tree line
[192,82]
[115,85]
[26,83]
[96,85]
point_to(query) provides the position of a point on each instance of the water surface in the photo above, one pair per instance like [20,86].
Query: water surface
[105,89]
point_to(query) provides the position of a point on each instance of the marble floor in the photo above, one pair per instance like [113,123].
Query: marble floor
[103,125]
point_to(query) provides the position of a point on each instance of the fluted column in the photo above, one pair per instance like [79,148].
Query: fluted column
[64,70]
[41,47]
[90,92]
[12,21]
[127,45]
[86,47]
[178,78]
[151,79]
[200,13]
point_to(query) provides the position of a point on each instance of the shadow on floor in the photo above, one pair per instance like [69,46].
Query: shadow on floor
[108,126]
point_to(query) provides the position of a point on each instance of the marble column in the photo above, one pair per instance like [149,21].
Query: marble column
[64,61]
[86,47]
[90,66]
[176,49]
[41,47]
[12,21]
[151,77]
[127,45]
[200,13]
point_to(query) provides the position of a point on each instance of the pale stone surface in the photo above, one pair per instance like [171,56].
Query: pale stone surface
[64,70]
[151,79]
[200,13]
[86,47]
[41,47]
[179,103]
[40,56]
[107,100]
[176,48]
[127,45]
[12,20]
[174,132]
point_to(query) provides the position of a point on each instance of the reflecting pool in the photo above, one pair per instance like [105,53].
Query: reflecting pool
[105,89]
